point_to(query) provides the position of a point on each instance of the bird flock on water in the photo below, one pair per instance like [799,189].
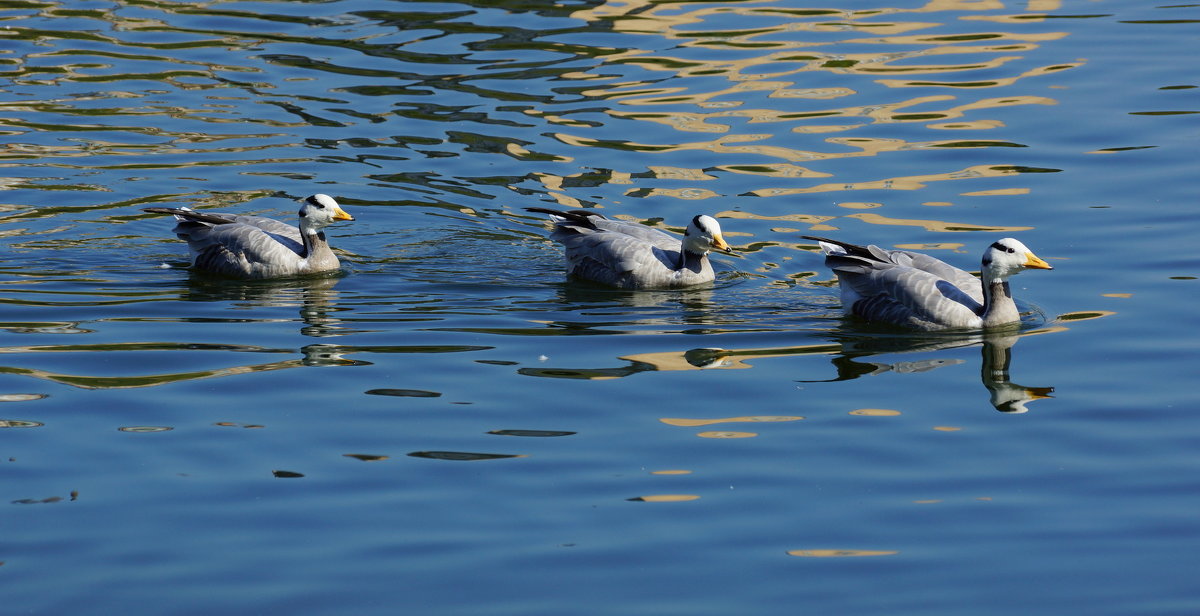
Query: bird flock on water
[897,287]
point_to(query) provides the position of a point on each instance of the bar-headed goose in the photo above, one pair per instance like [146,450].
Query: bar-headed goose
[918,291]
[633,256]
[258,247]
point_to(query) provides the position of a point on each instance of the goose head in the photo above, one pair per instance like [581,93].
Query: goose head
[703,235]
[1008,257]
[319,211]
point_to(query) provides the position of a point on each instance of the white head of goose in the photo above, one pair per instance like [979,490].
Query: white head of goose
[915,290]
[254,247]
[633,256]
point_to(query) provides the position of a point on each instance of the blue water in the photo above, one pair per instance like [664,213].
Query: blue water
[451,427]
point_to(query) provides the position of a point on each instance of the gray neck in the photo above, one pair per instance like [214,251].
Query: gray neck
[314,243]
[998,305]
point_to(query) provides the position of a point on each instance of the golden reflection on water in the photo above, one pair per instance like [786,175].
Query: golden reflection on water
[840,553]
[702,359]
[717,83]
[693,423]
[665,498]
[875,412]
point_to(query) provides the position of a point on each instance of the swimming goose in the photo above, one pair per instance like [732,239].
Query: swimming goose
[258,247]
[633,256]
[918,291]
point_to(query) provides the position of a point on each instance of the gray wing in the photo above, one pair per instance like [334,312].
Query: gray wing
[617,259]
[905,295]
[961,279]
[243,246]
[902,287]
[623,254]
[654,237]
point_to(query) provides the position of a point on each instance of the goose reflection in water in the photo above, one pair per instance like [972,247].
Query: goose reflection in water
[1006,396]
[996,349]
[315,298]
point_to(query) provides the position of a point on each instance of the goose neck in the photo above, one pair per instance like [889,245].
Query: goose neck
[998,305]
[313,240]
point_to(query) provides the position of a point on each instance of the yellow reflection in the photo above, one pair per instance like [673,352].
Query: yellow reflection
[692,423]
[882,113]
[808,219]
[996,192]
[707,359]
[678,193]
[947,428]
[666,498]
[968,125]
[680,173]
[875,412]
[915,182]
[932,225]
[776,170]
[840,553]
[1085,315]
[671,472]
[989,83]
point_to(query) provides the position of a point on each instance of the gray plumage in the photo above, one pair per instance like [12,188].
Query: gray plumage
[256,247]
[918,291]
[633,256]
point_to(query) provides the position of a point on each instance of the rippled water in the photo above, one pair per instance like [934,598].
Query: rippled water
[450,426]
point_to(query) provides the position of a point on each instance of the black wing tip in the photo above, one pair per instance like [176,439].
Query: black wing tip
[574,216]
[191,215]
[546,210]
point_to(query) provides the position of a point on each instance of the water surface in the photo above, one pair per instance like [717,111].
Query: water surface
[448,425]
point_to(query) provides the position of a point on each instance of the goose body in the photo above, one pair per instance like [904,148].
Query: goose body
[916,290]
[254,247]
[633,256]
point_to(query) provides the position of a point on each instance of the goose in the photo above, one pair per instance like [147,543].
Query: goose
[915,290]
[633,256]
[255,247]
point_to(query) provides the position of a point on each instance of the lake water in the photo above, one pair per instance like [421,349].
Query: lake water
[451,427]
